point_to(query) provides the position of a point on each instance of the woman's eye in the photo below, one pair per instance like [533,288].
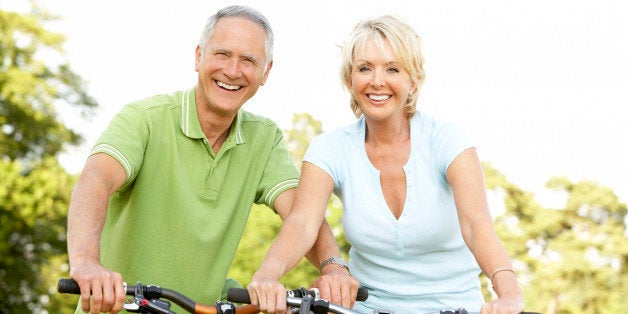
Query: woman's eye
[363,69]
[393,70]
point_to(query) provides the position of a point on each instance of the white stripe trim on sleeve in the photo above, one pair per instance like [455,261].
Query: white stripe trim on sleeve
[278,188]
[110,150]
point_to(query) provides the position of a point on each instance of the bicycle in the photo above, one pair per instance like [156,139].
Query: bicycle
[149,299]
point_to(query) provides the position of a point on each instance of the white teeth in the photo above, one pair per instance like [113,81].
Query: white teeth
[379,97]
[227,86]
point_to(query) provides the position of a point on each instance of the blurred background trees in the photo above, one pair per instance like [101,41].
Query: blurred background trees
[34,188]
[571,256]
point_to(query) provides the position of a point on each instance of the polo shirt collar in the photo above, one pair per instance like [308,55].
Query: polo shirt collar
[190,125]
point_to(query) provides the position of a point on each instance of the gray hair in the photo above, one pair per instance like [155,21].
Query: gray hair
[244,12]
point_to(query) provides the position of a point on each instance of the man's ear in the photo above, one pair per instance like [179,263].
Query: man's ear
[197,58]
[270,65]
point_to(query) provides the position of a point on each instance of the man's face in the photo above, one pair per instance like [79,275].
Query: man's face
[231,67]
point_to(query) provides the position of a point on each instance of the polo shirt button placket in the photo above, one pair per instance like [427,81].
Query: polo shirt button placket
[398,247]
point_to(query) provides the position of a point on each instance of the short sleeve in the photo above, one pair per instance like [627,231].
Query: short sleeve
[450,140]
[280,173]
[125,140]
[322,152]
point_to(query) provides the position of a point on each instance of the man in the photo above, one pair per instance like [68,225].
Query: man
[166,192]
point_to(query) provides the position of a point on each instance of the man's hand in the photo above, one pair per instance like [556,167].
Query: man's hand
[104,287]
[337,286]
[268,295]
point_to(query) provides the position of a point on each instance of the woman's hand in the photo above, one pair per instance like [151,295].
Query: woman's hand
[337,286]
[504,305]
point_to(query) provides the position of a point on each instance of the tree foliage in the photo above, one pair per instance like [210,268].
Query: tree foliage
[33,79]
[297,139]
[571,259]
[34,188]
[33,210]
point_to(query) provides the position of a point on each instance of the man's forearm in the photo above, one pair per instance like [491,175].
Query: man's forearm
[86,218]
[325,246]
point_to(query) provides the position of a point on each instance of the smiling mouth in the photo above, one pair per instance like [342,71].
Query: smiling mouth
[226,86]
[378,97]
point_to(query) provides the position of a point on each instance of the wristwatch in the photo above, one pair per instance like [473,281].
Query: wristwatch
[334,260]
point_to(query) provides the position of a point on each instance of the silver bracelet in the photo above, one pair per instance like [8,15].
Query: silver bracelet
[334,260]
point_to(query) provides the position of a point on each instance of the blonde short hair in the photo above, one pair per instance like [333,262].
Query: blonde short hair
[406,46]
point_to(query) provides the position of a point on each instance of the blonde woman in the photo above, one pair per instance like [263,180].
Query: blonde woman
[413,193]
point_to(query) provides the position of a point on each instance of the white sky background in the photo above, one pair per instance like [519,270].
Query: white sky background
[541,85]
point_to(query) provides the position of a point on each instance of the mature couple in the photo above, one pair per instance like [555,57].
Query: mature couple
[179,173]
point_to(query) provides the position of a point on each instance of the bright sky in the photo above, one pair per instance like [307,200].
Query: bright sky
[541,85]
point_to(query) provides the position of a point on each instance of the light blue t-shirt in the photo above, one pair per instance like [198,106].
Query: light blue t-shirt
[418,263]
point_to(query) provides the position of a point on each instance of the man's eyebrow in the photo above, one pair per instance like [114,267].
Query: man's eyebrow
[221,49]
[252,57]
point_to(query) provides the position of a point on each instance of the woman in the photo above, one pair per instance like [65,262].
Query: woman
[413,192]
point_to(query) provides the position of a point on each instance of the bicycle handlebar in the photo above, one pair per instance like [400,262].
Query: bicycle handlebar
[241,295]
[296,297]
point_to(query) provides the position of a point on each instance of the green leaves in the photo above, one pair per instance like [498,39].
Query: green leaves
[573,259]
[33,210]
[34,79]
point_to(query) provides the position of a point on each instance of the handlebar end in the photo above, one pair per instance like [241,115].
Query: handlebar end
[68,285]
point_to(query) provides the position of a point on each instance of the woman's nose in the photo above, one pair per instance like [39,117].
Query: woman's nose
[378,79]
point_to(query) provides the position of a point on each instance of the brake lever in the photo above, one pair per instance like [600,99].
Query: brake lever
[140,304]
[306,304]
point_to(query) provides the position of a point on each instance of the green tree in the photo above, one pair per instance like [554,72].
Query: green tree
[31,86]
[571,259]
[34,188]
[297,139]
[33,209]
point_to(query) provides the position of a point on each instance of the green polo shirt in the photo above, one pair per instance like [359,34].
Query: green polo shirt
[179,217]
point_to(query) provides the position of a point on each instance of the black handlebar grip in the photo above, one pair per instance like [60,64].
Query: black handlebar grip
[68,286]
[241,295]
[238,295]
[363,294]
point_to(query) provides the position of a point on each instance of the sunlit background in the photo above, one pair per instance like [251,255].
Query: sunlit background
[541,85]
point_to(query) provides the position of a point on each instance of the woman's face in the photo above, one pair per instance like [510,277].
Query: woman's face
[379,83]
